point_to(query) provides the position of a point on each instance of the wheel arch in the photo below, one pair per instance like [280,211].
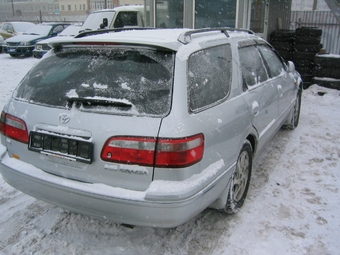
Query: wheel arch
[253,142]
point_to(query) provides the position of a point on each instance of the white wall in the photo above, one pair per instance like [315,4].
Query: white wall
[307,5]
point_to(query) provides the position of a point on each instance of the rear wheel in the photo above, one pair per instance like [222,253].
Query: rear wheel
[240,180]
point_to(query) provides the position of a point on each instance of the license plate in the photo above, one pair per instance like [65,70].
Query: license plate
[11,50]
[61,146]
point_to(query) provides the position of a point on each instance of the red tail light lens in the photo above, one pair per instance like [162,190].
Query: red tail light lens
[180,152]
[161,152]
[13,127]
[130,150]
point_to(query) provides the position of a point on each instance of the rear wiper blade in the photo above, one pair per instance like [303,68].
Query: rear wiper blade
[94,101]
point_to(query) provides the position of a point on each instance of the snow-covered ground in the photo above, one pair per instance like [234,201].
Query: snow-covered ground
[293,206]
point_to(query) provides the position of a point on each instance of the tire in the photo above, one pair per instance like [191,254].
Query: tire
[239,183]
[286,55]
[327,83]
[327,72]
[13,55]
[304,55]
[308,31]
[306,77]
[282,36]
[307,40]
[304,63]
[324,60]
[304,70]
[294,116]
[308,48]
[287,46]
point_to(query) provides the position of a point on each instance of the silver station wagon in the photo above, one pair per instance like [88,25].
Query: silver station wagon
[147,126]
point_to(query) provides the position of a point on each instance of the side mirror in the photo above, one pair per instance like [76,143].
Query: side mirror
[104,24]
[291,67]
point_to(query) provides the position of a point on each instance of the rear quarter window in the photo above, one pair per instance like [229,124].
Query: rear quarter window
[209,77]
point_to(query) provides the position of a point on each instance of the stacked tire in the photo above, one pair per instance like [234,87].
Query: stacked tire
[283,42]
[307,45]
[327,71]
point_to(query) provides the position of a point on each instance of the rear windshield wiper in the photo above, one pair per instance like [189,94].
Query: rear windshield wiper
[95,101]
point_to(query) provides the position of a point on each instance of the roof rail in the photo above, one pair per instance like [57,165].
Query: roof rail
[104,31]
[185,37]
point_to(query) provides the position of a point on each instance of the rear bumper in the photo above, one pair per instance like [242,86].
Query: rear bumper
[144,208]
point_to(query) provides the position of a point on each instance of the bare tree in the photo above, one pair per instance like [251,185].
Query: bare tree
[334,5]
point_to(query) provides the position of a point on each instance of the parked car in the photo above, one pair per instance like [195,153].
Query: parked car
[42,47]
[10,29]
[1,42]
[147,127]
[24,44]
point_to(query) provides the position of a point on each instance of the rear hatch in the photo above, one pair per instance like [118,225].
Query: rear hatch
[93,114]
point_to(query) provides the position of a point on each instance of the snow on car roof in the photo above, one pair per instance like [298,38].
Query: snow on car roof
[167,38]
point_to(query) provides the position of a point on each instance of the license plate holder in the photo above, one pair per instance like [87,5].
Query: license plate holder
[75,149]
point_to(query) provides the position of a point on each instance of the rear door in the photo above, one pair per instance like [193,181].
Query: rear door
[261,93]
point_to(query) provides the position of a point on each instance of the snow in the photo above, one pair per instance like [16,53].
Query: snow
[293,204]
[328,55]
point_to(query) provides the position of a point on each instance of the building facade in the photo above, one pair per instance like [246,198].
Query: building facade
[261,16]
[55,10]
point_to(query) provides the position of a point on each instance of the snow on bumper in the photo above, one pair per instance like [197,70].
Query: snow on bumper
[164,204]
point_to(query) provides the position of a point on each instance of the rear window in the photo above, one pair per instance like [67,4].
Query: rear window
[118,80]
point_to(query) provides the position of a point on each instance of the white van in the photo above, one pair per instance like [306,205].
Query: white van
[123,16]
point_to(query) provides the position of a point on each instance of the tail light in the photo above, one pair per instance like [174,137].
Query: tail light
[13,127]
[159,152]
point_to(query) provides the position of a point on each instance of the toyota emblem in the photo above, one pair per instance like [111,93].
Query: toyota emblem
[64,118]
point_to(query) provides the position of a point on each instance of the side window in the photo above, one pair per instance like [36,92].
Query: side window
[274,63]
[209,76]
[126,19]
[10,28]
[57,29]
[252,66]
[5,27]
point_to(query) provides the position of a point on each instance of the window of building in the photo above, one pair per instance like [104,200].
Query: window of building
[169,14]
[257,15]
[220,13]
[69,7]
